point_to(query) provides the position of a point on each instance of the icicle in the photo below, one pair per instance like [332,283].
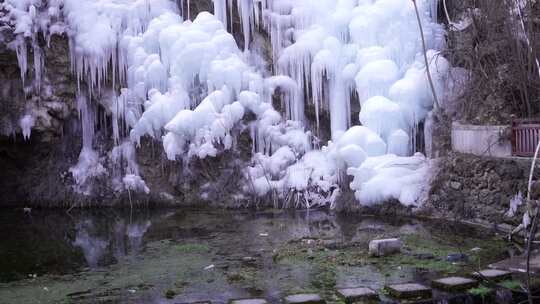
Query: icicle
[231,16]
[246,10]
[22,56]
[339,109]
[39,64]
[87,120]
[27,122]
[434,10]
[220,11]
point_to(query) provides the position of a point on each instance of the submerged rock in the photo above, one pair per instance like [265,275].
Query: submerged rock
[424,256]
[457,258]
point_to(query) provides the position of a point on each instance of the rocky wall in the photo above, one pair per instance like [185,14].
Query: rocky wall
[478,188]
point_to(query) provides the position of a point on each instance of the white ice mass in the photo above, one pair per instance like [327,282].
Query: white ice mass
[187,84]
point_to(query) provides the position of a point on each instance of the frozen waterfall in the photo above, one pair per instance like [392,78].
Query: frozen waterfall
[327,54]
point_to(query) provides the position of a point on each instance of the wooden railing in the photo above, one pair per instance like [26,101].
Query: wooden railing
[525,136]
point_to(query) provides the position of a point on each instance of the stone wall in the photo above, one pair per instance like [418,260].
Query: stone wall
[480,188]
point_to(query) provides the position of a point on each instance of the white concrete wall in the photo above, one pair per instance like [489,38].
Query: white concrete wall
[481,140]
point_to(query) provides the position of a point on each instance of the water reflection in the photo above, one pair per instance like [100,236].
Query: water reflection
[253,253]
[101,246]
[93,246]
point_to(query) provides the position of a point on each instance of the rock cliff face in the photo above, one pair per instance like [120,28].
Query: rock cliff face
[34,170]
[481,188]
[52,101]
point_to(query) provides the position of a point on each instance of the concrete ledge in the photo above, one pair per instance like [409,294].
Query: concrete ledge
[481,140]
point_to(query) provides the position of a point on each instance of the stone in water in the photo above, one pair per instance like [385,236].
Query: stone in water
[493,275]
[304,299]
[380,248]
[248,301]
[352,295]
[454,284]
[409,291]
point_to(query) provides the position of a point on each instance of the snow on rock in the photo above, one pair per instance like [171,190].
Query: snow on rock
[375,78]
[88,167]
[209,124]
[310,181]
[125,153]
[371,48]
[135,183]
[199,55]
[389,176]
[365,138]
[382,116]
[398,143]
[126,174]
[353,155]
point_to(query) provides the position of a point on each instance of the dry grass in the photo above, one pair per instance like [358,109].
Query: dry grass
[505,82]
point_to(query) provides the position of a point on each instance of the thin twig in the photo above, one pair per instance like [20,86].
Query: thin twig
[532,231]
[450,23]
[435,99]
[531,173]
[529,247]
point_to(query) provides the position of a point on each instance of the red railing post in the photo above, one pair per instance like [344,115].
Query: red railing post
[525,136]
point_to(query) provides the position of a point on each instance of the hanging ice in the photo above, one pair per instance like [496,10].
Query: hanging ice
[89,165]
[188,84]
[27,122]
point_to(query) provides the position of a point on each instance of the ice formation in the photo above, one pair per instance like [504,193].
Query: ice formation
[89,165]
[27,122]
[187,84]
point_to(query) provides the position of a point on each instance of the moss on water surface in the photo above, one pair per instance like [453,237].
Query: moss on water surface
[192,248]
[420,252]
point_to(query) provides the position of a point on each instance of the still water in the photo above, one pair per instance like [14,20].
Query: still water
[183,256]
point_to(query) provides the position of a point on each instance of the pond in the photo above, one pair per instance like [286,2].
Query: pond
[189,255]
